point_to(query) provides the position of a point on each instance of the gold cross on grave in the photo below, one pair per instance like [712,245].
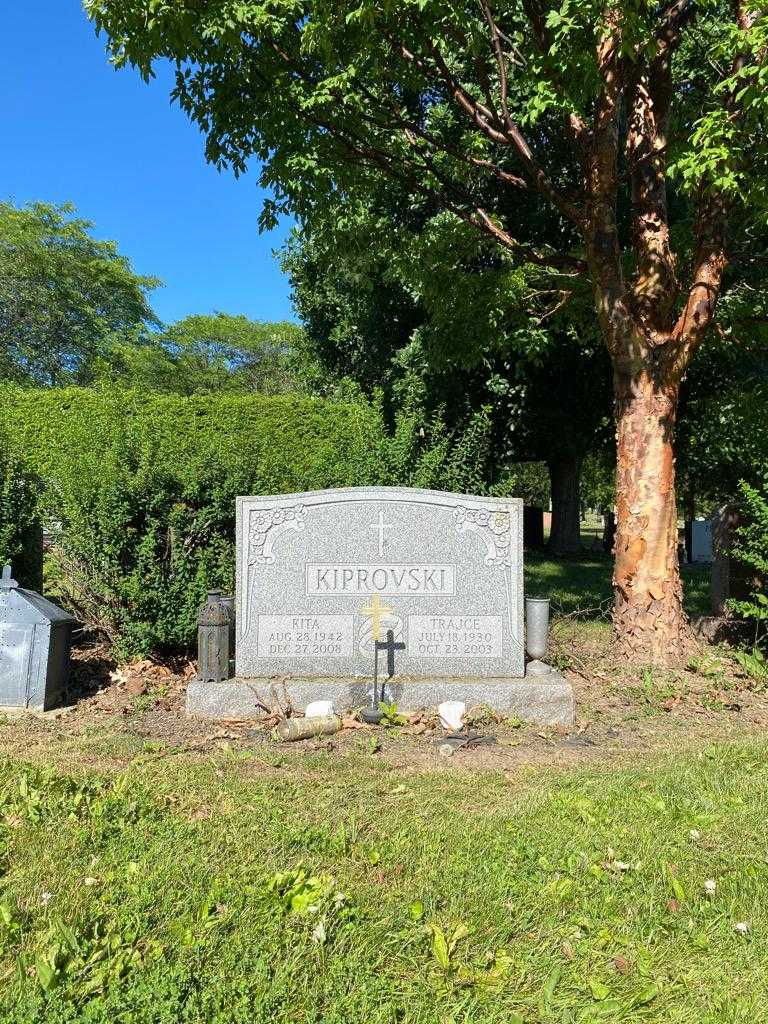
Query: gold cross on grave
[375,610]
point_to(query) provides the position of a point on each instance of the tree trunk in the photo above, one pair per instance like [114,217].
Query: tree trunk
[648,611]
[565,533]
[609,530]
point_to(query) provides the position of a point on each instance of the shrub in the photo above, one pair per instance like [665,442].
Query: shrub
[751,548]
[138,491]
[20,546]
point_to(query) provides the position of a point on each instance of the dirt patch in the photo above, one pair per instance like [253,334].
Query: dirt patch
[114,714]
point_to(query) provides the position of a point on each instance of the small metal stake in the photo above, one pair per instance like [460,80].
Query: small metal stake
[390,647]
[376,673]
[373,715]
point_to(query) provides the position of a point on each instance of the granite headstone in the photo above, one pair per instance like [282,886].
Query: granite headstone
[323,575]
[445,572]
[701,540]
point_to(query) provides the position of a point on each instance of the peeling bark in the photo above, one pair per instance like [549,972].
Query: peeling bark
[648,599]
[565,534]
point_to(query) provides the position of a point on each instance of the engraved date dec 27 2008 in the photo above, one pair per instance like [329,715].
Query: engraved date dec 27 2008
[305,636]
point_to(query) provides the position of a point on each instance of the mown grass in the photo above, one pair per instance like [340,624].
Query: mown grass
[583,583]
[329,890]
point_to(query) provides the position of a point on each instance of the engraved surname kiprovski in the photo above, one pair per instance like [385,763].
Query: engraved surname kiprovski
[355,579]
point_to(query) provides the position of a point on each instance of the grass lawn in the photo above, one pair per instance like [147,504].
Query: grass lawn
[584,583]
[157,870]
[241,886]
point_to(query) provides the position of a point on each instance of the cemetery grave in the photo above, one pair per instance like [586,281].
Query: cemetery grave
[370,652]
[167,867]
[328,579]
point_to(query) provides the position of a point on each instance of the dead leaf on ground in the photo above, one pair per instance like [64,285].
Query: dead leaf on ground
[621,964]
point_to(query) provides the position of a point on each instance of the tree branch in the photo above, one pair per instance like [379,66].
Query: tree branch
[398,167]
[603,249]
[710,232]
[501,63]
[577,129]
[482,117]
[411,126]
[655,285]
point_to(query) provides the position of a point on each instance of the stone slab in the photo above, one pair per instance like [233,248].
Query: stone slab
[544,700]
[701,540]
[446,570]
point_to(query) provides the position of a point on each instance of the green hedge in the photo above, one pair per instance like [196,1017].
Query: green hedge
[139,491]
[20,534]
[752,550]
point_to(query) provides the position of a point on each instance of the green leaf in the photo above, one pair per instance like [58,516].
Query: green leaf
[46,974]
[598,989]
[460,932]
[675,883]
[440,946]
[647,995]
[416,910]
[550,985]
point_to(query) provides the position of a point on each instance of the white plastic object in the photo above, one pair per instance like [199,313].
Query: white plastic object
[319,709]
[451,714]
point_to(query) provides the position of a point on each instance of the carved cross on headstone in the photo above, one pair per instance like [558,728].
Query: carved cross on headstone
[381,526]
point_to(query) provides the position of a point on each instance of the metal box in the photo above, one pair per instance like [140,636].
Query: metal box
[35,640]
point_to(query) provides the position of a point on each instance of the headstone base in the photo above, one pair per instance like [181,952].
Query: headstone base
[544,700]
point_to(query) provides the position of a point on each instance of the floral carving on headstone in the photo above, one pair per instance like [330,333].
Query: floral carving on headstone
[492,527]
[265,526]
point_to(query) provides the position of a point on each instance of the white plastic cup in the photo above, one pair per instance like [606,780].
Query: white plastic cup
[451,714]
[319,709]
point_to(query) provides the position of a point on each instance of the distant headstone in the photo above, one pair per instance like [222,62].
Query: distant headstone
[731,578]
[35,639]
[701,540]
[322,577]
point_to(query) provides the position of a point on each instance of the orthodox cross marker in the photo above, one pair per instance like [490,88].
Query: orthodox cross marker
[390,647]
[381,526]
[375,611]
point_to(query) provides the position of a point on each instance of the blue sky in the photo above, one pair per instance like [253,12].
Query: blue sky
[73,128]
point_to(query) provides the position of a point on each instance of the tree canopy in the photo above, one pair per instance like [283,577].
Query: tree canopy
[415,313]
[634,135]
[65,297]
[211,353]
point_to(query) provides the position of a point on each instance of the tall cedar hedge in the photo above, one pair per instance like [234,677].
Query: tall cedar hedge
[138,491]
